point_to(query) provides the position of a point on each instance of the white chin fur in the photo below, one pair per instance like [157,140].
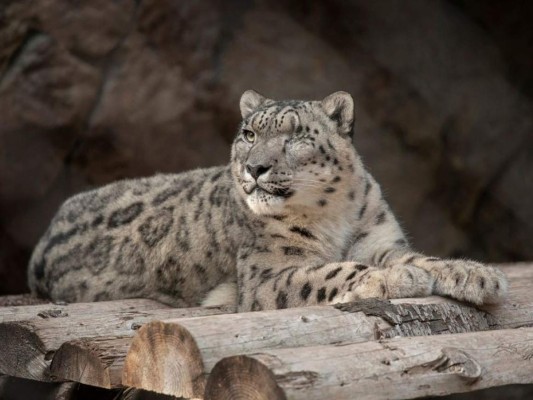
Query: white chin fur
[263,203]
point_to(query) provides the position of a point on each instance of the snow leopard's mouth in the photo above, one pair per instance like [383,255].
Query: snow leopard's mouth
[278,192]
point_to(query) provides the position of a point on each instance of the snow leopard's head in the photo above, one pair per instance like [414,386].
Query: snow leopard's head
[293,153]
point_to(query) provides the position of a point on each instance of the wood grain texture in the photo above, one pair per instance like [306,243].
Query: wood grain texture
[230,333]
[80,343]
[63,310]
[406,367]
[405,319]
[17,300]
[242,378]
[99,361]
[29,346]
[164,358]
[93,361]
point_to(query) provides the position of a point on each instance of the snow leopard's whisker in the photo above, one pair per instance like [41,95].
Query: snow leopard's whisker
[310,183]
[307,185]
[308,180]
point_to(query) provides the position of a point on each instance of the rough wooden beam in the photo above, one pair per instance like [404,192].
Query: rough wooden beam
[405,319]
[62,310]
[100,361]
[233,332]
[97,344]
[28,346]
[250,332]
[164,358]
[221,336]
[20,300]
[406,367]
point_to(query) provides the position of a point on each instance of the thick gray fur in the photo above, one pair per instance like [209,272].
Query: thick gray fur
[293,220]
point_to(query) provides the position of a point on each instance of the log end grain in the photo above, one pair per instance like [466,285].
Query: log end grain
[22,353]
[80,361]
[164,358]
[240,378]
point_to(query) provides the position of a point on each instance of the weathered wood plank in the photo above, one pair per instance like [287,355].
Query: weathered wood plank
[28,346]
[237,333]
[100,343]
[225,335]
[233,332]
[219,336]
[62,310]
[100,361]
[26,299]
[406,319]
[407,367]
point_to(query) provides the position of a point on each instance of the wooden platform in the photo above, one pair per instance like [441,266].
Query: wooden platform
[370,349]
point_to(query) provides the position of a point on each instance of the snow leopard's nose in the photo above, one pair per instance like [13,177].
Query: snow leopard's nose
[257,170]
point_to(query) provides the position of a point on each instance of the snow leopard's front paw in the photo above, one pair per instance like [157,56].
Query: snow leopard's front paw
[392,283]
[470,281]
[408,281]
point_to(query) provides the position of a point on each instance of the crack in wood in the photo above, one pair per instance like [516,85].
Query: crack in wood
[450,360]
[298,379]
[420,319]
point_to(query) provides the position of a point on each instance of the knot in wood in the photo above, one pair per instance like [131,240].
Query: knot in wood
[450,361]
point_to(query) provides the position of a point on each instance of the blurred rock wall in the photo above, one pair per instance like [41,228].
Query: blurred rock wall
[94,91]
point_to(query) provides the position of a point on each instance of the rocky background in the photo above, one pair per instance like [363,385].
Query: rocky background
[94,91]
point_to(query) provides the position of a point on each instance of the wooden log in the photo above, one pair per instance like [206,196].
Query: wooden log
[62,310]
[93,361]
[225,335]
[100,361]
[406,367]
[164,358]
[218,336]
[295,327]
[28,346]
[245,332]
[242,377]
[21,300]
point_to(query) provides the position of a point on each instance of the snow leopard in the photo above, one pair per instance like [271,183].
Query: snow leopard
[293,220]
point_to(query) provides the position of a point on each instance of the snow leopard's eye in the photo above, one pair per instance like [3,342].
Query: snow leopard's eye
[249,136]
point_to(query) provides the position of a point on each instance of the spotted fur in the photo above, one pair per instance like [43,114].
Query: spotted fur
[293,220]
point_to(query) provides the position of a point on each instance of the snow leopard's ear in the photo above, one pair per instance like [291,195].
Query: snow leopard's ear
[250,101]
[340,108]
